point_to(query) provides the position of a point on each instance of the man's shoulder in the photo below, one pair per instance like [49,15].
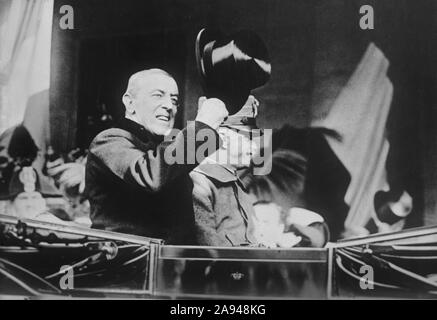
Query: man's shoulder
[110,146]
[112,137]
[199,178]
[202,184]
[112,133]
[218,175]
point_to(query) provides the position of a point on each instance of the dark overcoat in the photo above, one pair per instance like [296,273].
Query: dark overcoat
[133,189]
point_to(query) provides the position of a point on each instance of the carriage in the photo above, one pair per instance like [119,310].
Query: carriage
[40,260]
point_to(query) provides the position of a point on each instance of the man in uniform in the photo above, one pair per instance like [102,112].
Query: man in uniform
[222,207]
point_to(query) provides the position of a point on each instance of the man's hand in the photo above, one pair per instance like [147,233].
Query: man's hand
[211,112]
[69,175]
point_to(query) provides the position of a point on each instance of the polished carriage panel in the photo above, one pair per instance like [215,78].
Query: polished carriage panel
[213,272]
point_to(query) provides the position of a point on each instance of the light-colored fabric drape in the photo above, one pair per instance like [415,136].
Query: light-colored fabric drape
[360,114]
[25,44]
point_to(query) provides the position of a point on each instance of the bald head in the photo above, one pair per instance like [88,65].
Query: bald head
[152,99]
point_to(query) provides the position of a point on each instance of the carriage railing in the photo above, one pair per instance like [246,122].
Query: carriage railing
[401,264]
[166,271]
[99,262]
[109,264]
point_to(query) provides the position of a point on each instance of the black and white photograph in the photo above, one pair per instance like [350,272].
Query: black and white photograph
[242,150]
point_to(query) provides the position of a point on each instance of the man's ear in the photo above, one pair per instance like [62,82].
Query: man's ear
[128,103]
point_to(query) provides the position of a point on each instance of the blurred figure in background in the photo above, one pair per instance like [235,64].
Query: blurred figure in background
[57,190]
[18,149]
[26,196]
[281,219]
[68,174]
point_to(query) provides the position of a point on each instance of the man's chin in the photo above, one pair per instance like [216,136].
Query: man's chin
[162,130]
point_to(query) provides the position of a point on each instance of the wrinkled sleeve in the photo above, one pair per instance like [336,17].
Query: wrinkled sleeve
[152,167]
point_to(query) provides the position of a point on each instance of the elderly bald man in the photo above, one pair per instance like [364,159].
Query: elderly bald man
[130,185]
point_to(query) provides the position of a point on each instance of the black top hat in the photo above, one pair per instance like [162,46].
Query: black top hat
[244,119]
[230,67]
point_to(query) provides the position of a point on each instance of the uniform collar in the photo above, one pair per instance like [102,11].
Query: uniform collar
[219,172]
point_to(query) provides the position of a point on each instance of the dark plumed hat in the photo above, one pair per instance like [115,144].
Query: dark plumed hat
[22,147]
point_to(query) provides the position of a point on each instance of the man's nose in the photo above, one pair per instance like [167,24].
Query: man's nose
[168,105]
